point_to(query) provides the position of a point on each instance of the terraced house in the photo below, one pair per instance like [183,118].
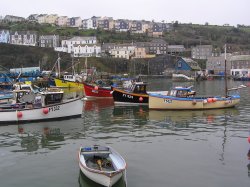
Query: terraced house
[28,38]
[4,36]
[80,47]
[50,41]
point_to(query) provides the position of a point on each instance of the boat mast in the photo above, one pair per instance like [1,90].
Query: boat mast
[225,71]
[59,65]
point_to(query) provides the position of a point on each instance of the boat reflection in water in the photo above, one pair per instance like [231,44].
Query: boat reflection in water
[86,182]
[49,135]
[137,115]
[36,137]
[207,116]
[97,104]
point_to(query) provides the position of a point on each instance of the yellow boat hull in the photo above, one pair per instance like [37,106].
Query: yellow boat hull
[68,84]
[164,103]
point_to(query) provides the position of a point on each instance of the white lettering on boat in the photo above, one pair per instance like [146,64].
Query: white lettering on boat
[127,96]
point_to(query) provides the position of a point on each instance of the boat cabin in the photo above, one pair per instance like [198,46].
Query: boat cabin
[139,87]
[41,99]
[182,92]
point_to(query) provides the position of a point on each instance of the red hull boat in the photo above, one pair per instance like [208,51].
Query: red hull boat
[96,91]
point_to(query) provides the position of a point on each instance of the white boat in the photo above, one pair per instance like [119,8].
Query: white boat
[181,77]
[102,164]
[44,105]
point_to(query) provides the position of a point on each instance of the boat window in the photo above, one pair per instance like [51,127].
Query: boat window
[181,93]
[140,89]
[173,93]
[53,98]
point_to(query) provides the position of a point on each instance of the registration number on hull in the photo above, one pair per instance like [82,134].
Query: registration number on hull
[167,101]
[54,108]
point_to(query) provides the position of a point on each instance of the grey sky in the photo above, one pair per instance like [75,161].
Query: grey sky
[215,12]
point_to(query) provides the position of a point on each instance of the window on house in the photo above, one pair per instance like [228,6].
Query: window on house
[179,64]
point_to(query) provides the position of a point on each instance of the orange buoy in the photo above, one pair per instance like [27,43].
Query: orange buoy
[214,99]
[209,100]
[96,87]
[141,99]
[19,114]
[45,110]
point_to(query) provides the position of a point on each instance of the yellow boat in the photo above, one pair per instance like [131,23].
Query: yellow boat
[183,99]
[68,84]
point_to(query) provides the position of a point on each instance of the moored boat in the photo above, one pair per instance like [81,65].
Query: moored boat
[181,98]
[68,81]
[136,94]
[95,91]
[102,164]
[44,105]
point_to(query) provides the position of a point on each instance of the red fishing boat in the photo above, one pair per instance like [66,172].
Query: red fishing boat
[94,91]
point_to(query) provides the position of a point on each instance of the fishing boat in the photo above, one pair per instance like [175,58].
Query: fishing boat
[102,164]
[182,98]
[48,104]
[69,81]
[135,94]
[95,91]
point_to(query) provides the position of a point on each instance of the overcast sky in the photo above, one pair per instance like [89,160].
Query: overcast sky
[215,12]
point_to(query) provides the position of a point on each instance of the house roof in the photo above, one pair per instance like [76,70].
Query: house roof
[78,38]
[240,58]
[84,45]
[193,64]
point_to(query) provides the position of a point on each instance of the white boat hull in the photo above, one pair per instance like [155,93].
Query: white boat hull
[101,178]
[105,178]
[69,108]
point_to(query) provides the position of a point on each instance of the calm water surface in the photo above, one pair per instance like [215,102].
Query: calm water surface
[162,148]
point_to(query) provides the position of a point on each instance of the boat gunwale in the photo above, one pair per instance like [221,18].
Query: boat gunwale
[50,105]
[131,93]
[106,173]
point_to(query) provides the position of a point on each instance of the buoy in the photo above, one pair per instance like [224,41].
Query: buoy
[194,102]
[214,99]
[249,139]
[209,100]
[19,114]
[45,110]
[141,99]
[205,101]
[96,87]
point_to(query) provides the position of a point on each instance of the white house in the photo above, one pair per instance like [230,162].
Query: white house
[86,50]
[124,52]
[87,24]
[80,46]
[28,38]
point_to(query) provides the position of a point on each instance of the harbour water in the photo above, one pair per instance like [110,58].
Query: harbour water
[162,148]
